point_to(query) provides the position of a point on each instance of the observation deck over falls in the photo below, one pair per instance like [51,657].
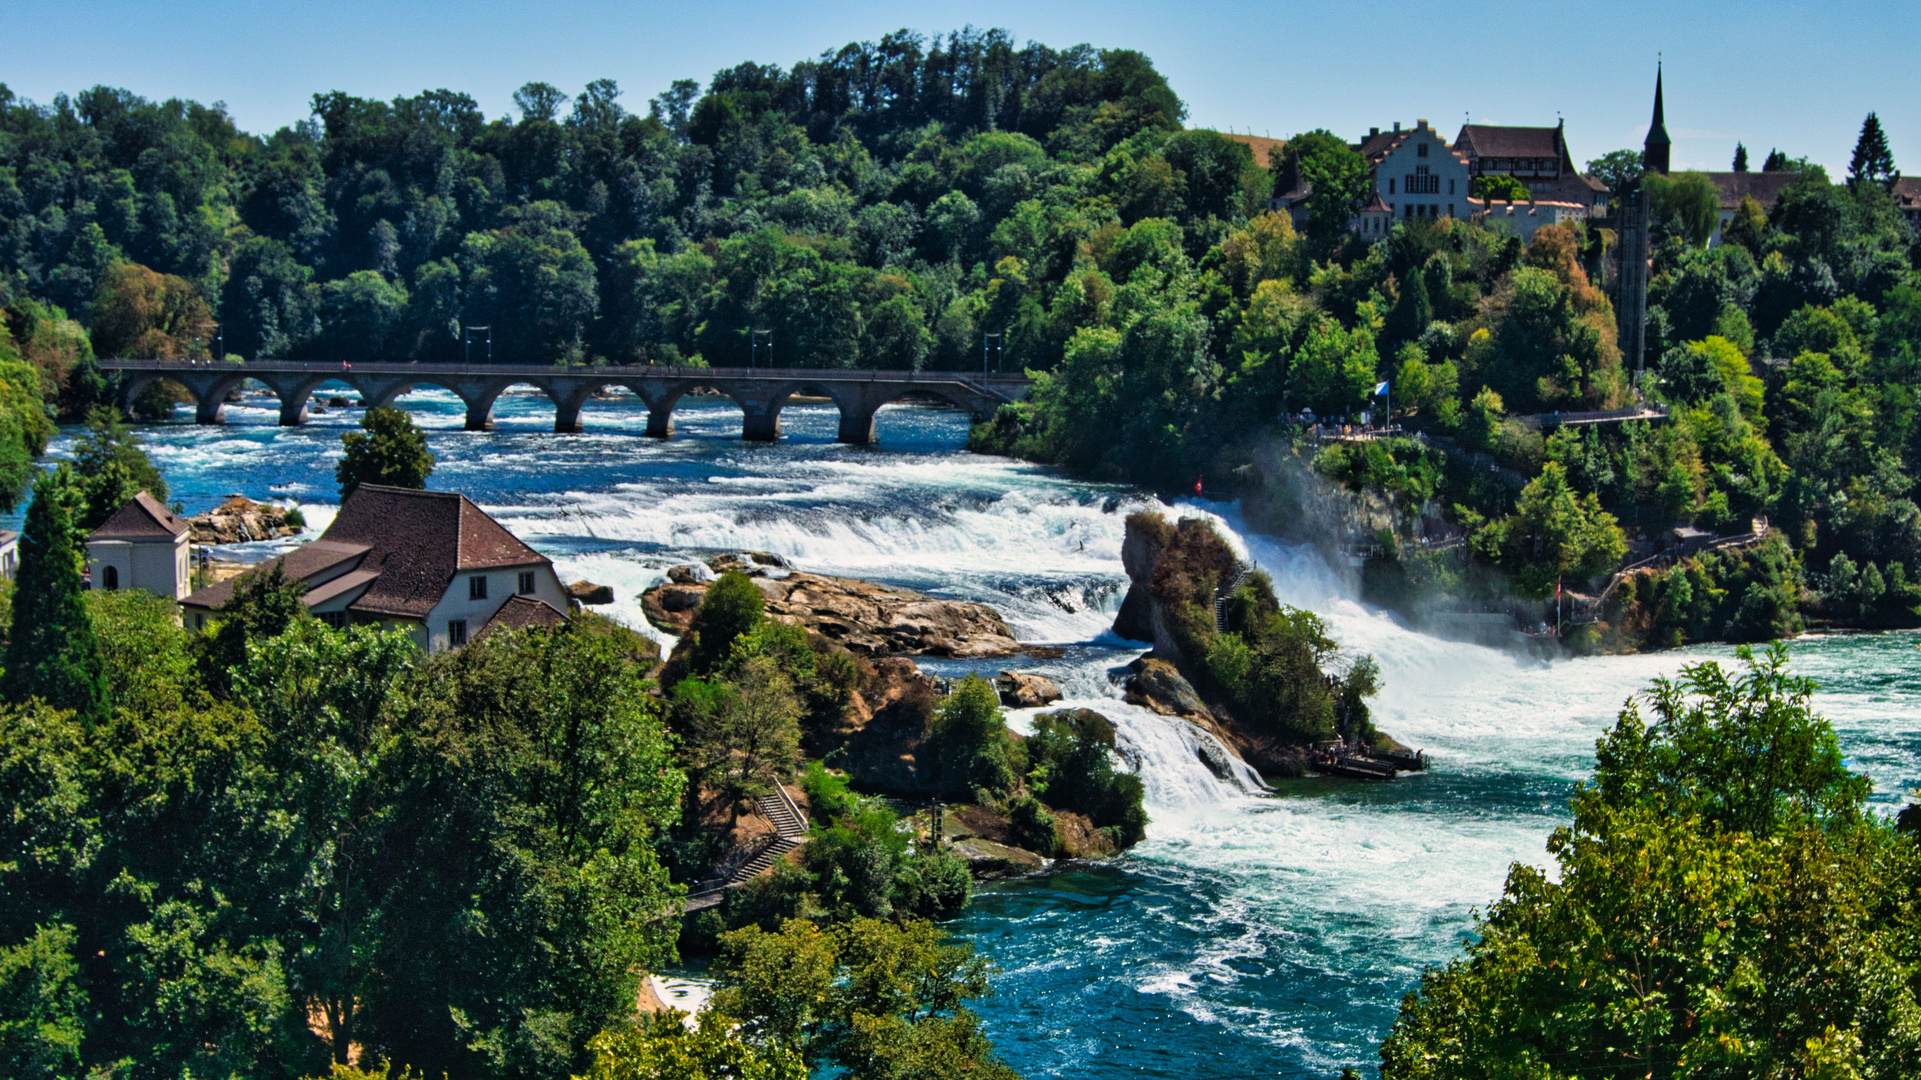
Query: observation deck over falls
[761,393]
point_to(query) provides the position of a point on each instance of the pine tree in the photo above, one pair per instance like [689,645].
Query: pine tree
[1413,310]
[1740,158]
[52,653]
[1872,159]
[1776,162]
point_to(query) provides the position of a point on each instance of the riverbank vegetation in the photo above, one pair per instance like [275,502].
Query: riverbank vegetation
[275,847]
[1725,902]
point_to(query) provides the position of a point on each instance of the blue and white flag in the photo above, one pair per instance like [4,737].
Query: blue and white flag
[1381,389]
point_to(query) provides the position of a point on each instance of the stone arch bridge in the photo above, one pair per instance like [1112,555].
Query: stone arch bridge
[761,393]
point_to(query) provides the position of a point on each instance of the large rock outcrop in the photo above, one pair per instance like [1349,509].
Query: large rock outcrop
[865,618]
[240,520]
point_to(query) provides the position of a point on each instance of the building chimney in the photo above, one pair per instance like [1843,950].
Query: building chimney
[1420,123]
[1397,125]
[1373,131]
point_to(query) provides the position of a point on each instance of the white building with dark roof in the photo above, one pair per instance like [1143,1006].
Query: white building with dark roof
[9,554]
[1416,175]
[428,561]
[142,546]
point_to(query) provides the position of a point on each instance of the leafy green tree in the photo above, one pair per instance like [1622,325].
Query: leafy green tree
[1872,162]
[320,696]
[264,605]
[1723,901]
[265,303]
[52,653]
[732,606]
[361,316]
[968,743]
[874,998]
[1412,310]
[745,731]
[112,468]
[1070,758]
[142,313]
[1616,169]
[42,1006]
[1740,158]
[532,780]
[660,1047]
[388,449]
[1685,205]
[1554,533]
[533,282]
[24,424]
[1502,187]
[1338,177]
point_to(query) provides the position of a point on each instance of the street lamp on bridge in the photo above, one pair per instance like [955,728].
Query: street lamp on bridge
[467,342]
[991,346]
[762,339]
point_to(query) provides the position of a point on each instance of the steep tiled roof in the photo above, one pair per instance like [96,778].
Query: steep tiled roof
[306,561]
[420,540]
[1377,205]
[407,545]
[1765,187]
[1907,193]
[1378,143]
[521,612]
[143,518]
[1487,140]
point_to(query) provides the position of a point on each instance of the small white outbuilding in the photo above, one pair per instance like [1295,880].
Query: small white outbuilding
[142,546]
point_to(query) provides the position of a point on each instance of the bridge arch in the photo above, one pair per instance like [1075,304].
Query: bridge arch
[208,387]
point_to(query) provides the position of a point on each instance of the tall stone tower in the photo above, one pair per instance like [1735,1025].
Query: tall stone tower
[1632,308]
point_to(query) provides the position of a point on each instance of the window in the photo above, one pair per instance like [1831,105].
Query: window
[111,577]
[1390,186]
[199,621]
[1450,188]
[456,633]
[1420,150]
[526,583]
[335,619]
[477,587]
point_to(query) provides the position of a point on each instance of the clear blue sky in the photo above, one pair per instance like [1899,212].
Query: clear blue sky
[1795,75]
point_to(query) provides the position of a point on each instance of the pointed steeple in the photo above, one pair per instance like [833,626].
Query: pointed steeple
[1658,144]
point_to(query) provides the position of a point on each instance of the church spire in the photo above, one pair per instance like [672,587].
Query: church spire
[1658,144]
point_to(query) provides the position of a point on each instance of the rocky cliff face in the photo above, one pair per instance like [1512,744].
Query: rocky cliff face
[867,619]
[1164,680]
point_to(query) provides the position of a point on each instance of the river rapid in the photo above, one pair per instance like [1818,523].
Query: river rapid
[1253,933]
